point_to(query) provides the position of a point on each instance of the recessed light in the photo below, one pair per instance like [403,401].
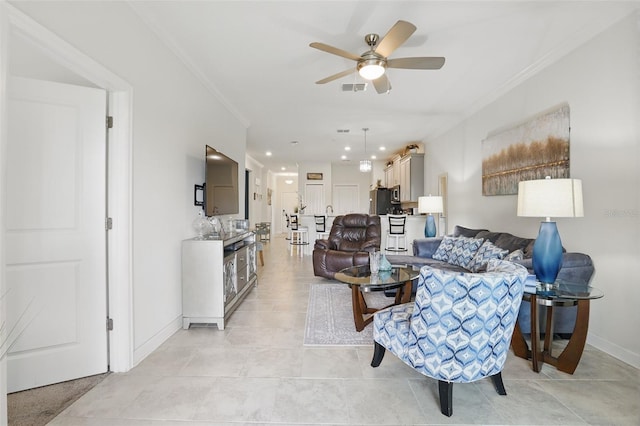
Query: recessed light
[373,157]
[344,157]
[382,148]
[283,168]
[347,148]
[268,153]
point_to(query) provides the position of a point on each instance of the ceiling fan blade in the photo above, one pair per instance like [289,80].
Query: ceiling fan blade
[382,84]
[421,63]
[336,76]
[334,51]
[397,35]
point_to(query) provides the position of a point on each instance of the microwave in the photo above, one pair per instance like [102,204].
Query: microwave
[395,194]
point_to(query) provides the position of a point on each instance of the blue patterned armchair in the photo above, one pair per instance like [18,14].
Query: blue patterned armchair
[459,328]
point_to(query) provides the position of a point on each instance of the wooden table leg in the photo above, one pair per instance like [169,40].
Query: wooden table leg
[537,359]
[360,308]
[568,360]
[548,334]
[518,344]
[356,302]
[403,294]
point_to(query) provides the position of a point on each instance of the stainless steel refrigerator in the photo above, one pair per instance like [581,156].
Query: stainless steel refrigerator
[380,201]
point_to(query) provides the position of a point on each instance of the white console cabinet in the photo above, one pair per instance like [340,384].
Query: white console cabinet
[216,275]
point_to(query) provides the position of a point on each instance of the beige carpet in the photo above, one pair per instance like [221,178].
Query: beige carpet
[39,406]
[330,316]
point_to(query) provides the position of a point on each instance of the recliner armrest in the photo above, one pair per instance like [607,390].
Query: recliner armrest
[370,245]
[321,244]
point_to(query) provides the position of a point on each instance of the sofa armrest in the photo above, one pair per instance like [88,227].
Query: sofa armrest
[576,267]
[426,247]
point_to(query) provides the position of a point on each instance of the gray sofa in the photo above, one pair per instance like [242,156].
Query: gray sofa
[576,268]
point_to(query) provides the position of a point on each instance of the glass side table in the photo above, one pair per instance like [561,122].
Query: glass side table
[560,293]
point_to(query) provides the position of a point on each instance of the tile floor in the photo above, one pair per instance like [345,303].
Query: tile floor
[258,372]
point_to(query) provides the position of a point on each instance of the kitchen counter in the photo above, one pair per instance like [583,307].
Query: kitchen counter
[414,228]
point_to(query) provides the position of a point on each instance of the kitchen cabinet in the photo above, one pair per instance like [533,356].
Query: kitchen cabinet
[411,175]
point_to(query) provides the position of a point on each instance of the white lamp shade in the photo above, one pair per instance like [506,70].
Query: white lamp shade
[550,198]
[430,204]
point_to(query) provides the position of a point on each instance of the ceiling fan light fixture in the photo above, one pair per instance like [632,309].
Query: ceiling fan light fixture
[371,69]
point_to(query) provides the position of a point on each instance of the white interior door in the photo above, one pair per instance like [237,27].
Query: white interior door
[314,198]
[55,233]
[346,198]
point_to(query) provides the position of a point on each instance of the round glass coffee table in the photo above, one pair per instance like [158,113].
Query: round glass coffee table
[561,293]
[360,279]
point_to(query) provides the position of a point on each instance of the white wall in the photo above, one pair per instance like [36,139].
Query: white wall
[600,81]
[174,117]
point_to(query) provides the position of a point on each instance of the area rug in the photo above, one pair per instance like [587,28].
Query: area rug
[330,316]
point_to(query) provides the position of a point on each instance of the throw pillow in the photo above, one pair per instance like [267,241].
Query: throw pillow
[515,255]
[463,251]
[487,251]
[444,249]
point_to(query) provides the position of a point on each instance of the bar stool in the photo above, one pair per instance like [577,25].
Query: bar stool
[396,235]
[299,235]
[263,231]
[321,227]
[259,249]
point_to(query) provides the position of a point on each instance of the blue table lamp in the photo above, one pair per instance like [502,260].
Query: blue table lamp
[549,198]
[429,205]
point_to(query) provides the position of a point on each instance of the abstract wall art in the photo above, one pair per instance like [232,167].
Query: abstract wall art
[533,149]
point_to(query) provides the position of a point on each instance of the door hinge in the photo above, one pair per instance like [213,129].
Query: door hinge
[109,324]
[108,224]
[109,122]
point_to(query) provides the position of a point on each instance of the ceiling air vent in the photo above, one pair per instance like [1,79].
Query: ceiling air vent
[358,87]
[343,130]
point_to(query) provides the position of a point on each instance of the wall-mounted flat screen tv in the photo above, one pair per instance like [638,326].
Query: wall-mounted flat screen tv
[221,184]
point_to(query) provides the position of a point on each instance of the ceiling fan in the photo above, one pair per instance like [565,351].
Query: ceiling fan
[371,65]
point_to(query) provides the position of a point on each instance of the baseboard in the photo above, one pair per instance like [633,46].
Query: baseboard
[614,350]
[156,340]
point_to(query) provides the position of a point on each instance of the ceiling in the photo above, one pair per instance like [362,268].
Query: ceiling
[255,57]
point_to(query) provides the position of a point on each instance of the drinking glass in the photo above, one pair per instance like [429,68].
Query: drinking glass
[374,262]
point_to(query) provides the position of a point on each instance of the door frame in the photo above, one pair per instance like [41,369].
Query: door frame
[118,191]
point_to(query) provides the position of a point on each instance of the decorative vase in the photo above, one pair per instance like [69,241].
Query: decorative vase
[547,253]
[201,225]
[385,265]
[374,262]
[430,227]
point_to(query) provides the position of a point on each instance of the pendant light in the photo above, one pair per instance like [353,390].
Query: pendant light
[365,165]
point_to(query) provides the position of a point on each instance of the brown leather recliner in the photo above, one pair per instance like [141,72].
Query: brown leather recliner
[351,239]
